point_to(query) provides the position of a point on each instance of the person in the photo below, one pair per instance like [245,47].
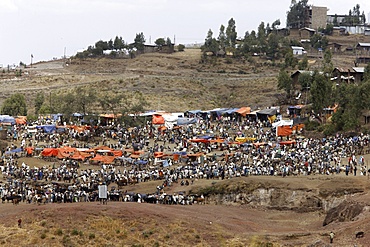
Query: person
[20,223]
[331,235]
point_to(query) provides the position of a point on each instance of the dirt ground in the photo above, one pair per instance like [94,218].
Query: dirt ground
[208,225]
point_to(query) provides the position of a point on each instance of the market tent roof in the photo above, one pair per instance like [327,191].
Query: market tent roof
[194,111]
[230,110]
[47,128]
[157,119]
[16,150]
[49,152]
[243,111]
[7,119]
[199,140]
[104,158]
[283,123]
[185,121]
[269,112]
[21,120]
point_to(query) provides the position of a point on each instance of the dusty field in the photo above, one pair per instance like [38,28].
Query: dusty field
[134,224]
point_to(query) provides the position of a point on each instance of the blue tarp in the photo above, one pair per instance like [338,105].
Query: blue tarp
[17,150]
[195,111]
[7,119]
[231,110]
[205,137]
[180,153]
[55,117]
[184,121]
[77,114]
[47,128]
[141,162]
[218,111]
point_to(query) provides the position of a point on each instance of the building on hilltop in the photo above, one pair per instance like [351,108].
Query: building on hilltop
[318,17]
[348,75]
[363,53]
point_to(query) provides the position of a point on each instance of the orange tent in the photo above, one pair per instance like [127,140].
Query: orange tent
[287,142]
[157,119]
[103,158]
[284,130]
[195,155]
[217,141]
[49,152]
[29,150]
[244,111]
[21,120]
[78,155]
[199,140]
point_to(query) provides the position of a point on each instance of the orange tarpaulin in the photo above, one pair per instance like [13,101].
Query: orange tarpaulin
[78,155]
[156,154]
[21,120]
[284,130]
[157,119]
[29,150]
[49,152]
[244,111]
[79,128]
[103,158]
[257,144]
[195,155]
[199,140]
[298,127]
[217,141]
[287,142]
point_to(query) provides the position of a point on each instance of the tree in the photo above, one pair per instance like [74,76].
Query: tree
[160,42]
[261,36]
[272,46]
[231,34]
[139,41]
[298,15]
[275,24]
[222,38]
[210,44]
[289,59]
[111,102]
[305,80]
[367,73]
[39,101]
[303,64]
[327,63]
[181,47]
[320,92]
[285,82]
[15,105]
[118,43]
[84,99]
[168,41]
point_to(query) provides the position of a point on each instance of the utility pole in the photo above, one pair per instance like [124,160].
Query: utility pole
[31,59]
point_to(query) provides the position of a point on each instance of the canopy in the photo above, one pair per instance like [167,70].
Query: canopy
[47,128]
[244,111]
[157,119]
[7,119]
[185,121]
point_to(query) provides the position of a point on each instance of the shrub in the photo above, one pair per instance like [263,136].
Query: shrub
[74,232]
[59,232]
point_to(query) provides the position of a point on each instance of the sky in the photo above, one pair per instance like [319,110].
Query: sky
[49,29]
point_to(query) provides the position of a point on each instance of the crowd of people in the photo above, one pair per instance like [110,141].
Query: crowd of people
[206,150]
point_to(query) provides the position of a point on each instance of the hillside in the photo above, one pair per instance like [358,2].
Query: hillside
[170,82]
